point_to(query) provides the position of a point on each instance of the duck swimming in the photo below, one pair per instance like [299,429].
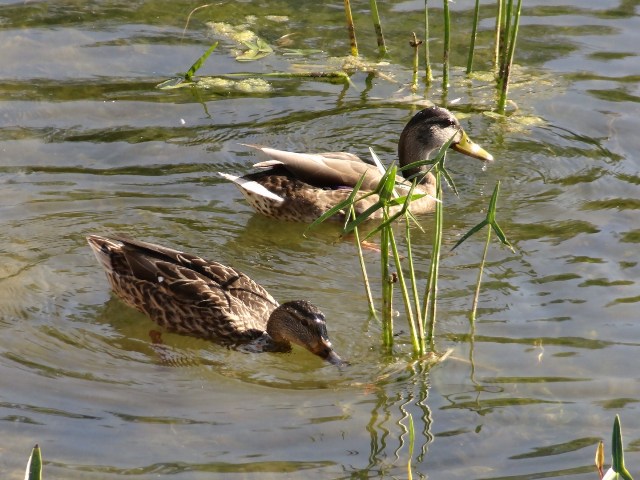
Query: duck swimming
[302,186]
[189,295]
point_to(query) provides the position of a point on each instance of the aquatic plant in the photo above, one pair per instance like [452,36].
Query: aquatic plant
[34,465]
[490,220]
[618,471]
[510,33]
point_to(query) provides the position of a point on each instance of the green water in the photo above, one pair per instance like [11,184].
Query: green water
[89,145]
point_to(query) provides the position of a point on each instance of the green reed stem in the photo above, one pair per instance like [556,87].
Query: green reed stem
[387,286]
[363,267]
[498,35]
[429,306]
[476,295]
[377,25]
[414,289]
[504,81]
[405,294]
[474,33]
[351,27]
[506,27]
[447,46]
[415,43]
[427,62]
[412,439]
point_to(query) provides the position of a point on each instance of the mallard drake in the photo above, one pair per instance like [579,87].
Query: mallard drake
[190,295]
[302,186]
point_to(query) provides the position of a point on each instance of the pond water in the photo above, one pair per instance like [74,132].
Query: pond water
[89,145]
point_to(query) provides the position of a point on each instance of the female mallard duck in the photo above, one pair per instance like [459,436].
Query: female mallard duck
[301,187]
[189,295]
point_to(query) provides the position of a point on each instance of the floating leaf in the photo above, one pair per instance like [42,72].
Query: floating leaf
[257,49]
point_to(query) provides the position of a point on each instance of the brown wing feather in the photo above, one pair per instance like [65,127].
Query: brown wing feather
[186,293]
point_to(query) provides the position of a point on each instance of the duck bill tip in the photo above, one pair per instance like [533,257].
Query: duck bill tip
[472,149]
[334,359]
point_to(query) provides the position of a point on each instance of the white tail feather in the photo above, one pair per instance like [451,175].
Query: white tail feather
[251,186]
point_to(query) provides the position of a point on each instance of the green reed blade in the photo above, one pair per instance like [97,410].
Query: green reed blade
[497,42]
[506,29]
[414,288]
[506,72]
[429,303]
[363,268]
[405,293]
[412,439]
[447,47]
[342,206]
[351,28]
[474,33]
[617,452]
[479,226]
[387,289]
[34,465]
[415,43]
[198,63]
[377,25]
[427,62]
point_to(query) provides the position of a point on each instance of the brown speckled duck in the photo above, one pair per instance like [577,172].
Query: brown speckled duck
[302,186]
[189,295]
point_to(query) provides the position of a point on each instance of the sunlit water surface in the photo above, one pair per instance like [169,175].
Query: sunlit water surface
[89,145]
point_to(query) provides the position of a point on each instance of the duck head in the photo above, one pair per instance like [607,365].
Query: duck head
[429,130]
[302,323]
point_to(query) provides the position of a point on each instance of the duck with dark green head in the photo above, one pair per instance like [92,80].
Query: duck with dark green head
[303,186]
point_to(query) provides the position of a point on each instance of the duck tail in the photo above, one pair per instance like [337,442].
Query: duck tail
[104,249]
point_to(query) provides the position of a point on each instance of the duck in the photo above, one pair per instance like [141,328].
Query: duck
[186,294]
[301,187]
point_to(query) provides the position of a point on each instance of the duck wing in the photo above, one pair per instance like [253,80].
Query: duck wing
[324,170]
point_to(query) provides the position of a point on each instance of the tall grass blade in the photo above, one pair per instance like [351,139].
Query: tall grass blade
[351,28]
[198,63]
[474,33]
[377,25]
[34,465]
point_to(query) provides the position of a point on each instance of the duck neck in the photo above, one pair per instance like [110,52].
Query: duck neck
[265,343]
[410,150]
